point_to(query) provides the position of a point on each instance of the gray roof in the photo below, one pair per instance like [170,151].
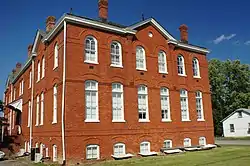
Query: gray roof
[245,110]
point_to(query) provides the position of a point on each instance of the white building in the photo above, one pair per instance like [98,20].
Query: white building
[237,124]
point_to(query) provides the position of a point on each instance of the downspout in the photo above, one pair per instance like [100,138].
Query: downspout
[31,107]
[63,91]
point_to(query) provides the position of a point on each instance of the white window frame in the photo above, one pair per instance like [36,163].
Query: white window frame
[29,112]
[37,110]
[232,130]
[140,58]
[20,88]
[143,147]
[42,109]
[43,67]
[41,148]
[199,108]
[143,94]
[38,71]
[116,91]
[164,94]
[46,152]
[55,154]
[90,147]
[166,142]
[91,90]
[22,83]
[119,149]
[14,95]
[162,61]
[92,52]
[56,56]
[55,95]
[187,142]
[196,68]
[184,96]
[181,66]
[116,51]
[30,79]
[202,141]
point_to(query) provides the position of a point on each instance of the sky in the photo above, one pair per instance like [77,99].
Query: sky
[222,26]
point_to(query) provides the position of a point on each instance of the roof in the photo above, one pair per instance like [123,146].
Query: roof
[246,111]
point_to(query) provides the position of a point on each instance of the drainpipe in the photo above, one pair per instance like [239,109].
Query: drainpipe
[63,91]
[32,98]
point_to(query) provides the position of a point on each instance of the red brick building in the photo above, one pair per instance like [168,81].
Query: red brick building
[92,88]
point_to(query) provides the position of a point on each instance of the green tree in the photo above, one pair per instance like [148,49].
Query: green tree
[230,87]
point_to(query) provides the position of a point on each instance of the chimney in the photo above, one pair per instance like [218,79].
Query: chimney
[29,50]
[103,9]
[18,66]
[50,23]
[184,33]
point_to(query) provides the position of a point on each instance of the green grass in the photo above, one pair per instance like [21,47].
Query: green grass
[225,156]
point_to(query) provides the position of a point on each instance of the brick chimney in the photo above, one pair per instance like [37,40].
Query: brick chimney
[29,50]
[50,23]
[184,33]
[18,66]
[103,9]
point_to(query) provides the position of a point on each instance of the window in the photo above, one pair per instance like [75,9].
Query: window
[37,111]
[187,142]
[91,100]
[54,104]
[92,152]
[42,109]
[162,62]
[43,67]
[202,141]
[41,148]
[119,149]
[29,112]
[117,102]
[196,68]
[184,105]
[30,78]
[25,146]
[143,103]
[145,147]
[56,52]
[165,108]
[240,114]
[21,87]
[140,58]
[91,50]
[54,153]
[232,128]
[38,71]
[199,105]
[181,65]
[167,144]
[14,94]
[47,152]
[116,54]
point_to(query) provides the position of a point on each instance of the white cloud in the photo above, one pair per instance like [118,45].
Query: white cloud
[223,37]
[247,43]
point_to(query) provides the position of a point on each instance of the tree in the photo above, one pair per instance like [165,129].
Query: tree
[230,87]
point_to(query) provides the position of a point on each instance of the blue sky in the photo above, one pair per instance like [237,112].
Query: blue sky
[221,26]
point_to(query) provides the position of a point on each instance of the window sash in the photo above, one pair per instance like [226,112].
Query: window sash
[144,147]
[55,105]
[92,152]
[142,106]
[187,142]
[165,107]
[37,111]
[42,109]
[91,105]
[162,64]
[115,54]
[56,52]
[90,50]
[117,106]
[140,59]
[180,65]
[184,108]
[119,150]
[168,144]
[232,128]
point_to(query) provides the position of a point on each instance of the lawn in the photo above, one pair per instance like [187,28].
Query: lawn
[224,156]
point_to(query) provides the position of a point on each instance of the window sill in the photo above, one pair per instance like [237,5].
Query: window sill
[36,125]
[166,120]
[144,121]
[116,66]
[198,77]
[37,81]
[91,62]
[92,121]
[187,120]
[118,121]
[54,122]
[201,120]
[182,75]
[161,72]
[140,69]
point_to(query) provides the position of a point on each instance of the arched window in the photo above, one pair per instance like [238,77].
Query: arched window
[119,149]
[143,103]
[145,147]
[162,62]
[184,105]
[43,67]
[54,153]
[56,52]
[42,109]
[167,144]
[187,142]
[92,152]
[140,58]
[37,110]
[181,65]
[91,50]
[202,141]
[91,101]
[199,105]
[38,71]
[196,68]
[116,54]
[117,102]
[54,104]
[165,107]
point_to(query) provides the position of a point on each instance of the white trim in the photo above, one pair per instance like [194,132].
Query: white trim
[54,153]
[189,142]
[171,143]
[123,149]
[204,139]
[116,66]
[91,62]
[92,121]
[87,59]
[97,151]
[145,142]
[118,121]
[116,43]
[121,92]
[189,47]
